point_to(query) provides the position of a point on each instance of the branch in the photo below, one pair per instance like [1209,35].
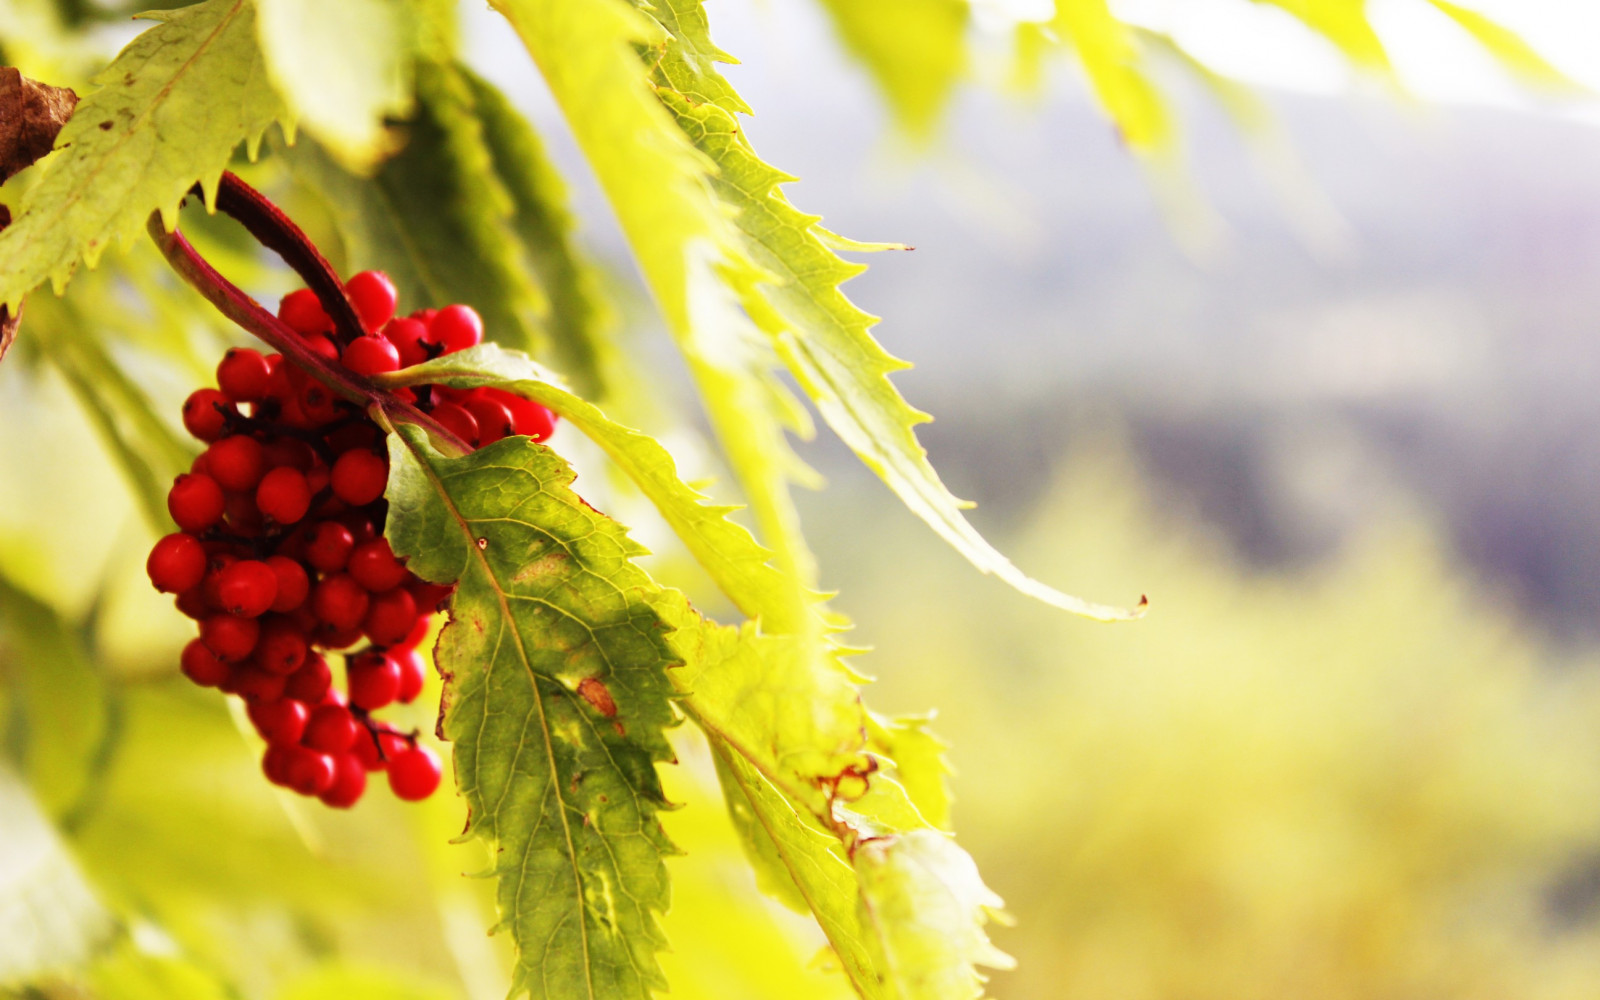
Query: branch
[31,116]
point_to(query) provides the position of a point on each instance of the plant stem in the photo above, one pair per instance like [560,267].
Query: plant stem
[233,303]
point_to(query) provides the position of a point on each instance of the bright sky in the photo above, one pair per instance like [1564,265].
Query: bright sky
[1433,57]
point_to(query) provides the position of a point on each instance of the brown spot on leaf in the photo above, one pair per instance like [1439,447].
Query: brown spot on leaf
[105,126]
[31,116]
[594,691]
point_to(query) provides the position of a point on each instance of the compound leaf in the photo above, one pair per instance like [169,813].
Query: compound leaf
[555,701]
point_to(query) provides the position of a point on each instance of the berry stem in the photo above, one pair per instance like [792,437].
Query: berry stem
[278,233]
[238,306]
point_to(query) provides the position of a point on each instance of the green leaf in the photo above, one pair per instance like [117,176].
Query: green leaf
[169,111]
[1109,54]
[915,758]
[436,217]
[916,51]
[824,340]
[1509,48]
[556,702]
[578,314]
[338,91]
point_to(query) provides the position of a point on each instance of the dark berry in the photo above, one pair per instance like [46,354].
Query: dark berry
[311,681]
[202,666]
[229,636]
[195,502]
[359,477]
[414,773]
[374,680]
[329,545]
[340,601]
[429,596]
[370,355]
[177,563]
[282,647]
[236,463]
[332,729]
[244,375]
[247,588]
[456,328]
[206,413]
[374,296]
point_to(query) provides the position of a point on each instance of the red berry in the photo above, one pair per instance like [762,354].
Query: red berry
[533,419]
[329,545]
[213,579]
[201,665]
[229,636]
[311,682]
[414,773]
[236,463]
[247,588]
[457,420]
[280,721]
[282,647]
[374,566]
[303,313]
[254,684]
[493,417]
[389,617]
[370,355]
[419,631]
[429,596]
[244,375]
[365,750]
[374,680]
[363,434]
[332,729]
[283,495]
[340,601]
[413,673]
[457,328]
[318,403]
[206,413]
[411,339]
[349,781]
[195,502]
[359,477]
[293,583]
[289,453]
[333,637]
[244,518]
[374,296]
[275,763]
[362,530]
[193,603]
[177,563]
[309,772]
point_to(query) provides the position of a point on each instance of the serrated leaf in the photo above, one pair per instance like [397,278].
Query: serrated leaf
[824,340]
[556,702]
[169,111]
[916,51]
[1515,54]
[578,313]
[338,91]
[916,760]
[436,217]
[1108,51]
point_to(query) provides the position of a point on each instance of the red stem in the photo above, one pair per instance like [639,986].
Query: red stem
[233,303]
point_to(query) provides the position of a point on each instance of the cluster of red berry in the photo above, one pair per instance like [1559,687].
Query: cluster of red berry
[281,555]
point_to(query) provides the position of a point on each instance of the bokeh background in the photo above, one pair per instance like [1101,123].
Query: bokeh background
[1324,384]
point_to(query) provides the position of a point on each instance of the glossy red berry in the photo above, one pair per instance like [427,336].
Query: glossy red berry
[229,636]
[492,416]
[419,631]
[247,588]
[244,375]
[311,682]
[294,584]
[329,545]
[374,296]
[413,673]
[457,420]
[301,311]
[371,355]
[309,772]
[282,647]
[359,477]
[332,729]
[456,328]
[411,339]
[349,782]
[414,773]
[254,684]
[206,413]
[283,495]
[236,463]
[374,680]
[275,763]
[177,563]
[202,666]
[195,502]
[533,419]
[340,601]
[374,566]
[389,617]
[280,721]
